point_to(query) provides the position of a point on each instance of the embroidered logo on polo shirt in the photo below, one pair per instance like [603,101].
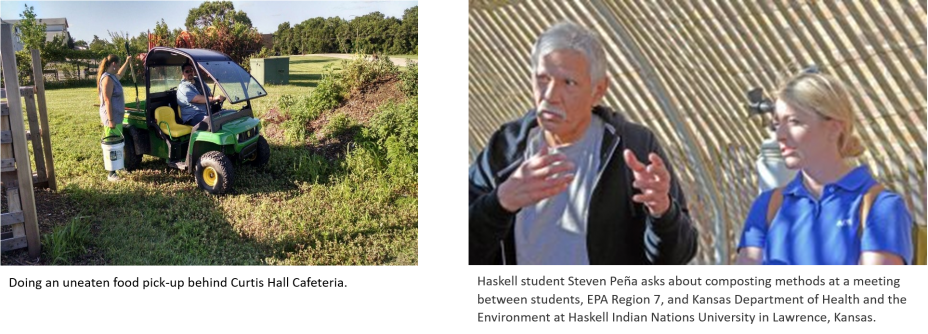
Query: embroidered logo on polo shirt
[843,222]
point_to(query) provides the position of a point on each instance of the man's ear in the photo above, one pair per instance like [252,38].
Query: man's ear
[600,89]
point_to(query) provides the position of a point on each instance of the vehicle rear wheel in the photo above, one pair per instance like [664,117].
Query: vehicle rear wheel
[132,160]
[214,173]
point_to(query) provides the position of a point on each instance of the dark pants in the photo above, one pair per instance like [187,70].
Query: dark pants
[196,119]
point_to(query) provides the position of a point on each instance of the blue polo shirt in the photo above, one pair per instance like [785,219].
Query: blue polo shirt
[824,231]
[186,91]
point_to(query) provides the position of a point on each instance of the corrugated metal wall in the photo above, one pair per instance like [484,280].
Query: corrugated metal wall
[682,68]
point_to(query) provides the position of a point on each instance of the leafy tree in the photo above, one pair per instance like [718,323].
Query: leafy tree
[393,40]
[56,46]
[211,12]
[369,31]
[117,44]
[31,32]
[296,41]
[343,36]
[80,42]
[316,37]
[162,35]
[98,44]
[282,38]
[411,27]
[139,43]
[236,40]
[373,32]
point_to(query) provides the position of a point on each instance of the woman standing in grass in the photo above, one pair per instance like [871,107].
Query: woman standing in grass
[112,100]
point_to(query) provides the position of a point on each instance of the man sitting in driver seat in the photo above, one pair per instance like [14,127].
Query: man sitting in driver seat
[192,102]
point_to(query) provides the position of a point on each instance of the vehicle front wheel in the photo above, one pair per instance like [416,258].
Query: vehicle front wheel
[214,173]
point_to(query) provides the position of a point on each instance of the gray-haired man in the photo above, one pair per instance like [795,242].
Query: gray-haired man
[565,184]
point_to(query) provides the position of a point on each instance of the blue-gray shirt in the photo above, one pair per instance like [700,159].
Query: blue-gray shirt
[118,100]
[553,231]
[186,91]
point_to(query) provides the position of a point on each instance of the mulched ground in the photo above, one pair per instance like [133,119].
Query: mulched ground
[360,107]
[53,209]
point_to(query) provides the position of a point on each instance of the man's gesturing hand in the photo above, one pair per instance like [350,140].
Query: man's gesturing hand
[653,181]
[538,178]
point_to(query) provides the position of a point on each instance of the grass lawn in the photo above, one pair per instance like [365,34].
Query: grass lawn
[413,57]
[280,214]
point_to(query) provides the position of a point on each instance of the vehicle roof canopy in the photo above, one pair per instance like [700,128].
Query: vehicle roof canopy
[161,56]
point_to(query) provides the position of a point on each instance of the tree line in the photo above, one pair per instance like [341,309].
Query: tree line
[216,25]
[371,33]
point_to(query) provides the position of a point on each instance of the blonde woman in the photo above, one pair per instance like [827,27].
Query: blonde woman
[112,99]
[819,216]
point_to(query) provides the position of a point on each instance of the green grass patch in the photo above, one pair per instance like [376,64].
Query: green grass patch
[66,242]
[413,57]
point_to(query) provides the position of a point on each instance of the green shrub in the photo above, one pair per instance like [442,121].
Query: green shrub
[87,83]
[294,129]
[24,67]
[360,72]
[392,139]
[384,66]
[410,79]
[264,53]
[338,124]
[328,95]
[285,101]
[329,92]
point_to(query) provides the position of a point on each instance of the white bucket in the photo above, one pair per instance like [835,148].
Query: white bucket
[113,152]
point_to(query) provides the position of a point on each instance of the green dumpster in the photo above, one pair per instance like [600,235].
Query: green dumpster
[275,70]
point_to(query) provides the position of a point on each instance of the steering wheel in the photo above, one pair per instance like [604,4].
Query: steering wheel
[215,107]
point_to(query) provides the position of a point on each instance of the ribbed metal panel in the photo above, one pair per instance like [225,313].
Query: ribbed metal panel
[682,68]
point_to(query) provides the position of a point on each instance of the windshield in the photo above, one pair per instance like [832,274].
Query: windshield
[234,81]
[164,78]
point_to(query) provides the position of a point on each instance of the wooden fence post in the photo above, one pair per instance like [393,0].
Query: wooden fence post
[17,128]
[43,120]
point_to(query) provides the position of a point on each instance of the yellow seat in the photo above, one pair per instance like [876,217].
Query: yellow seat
[165,117]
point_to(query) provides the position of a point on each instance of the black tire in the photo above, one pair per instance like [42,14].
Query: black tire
[263,154]
[214,173]
[132,159]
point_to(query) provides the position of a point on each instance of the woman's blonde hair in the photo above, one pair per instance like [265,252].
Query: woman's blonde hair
[103,65]
[828,98]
